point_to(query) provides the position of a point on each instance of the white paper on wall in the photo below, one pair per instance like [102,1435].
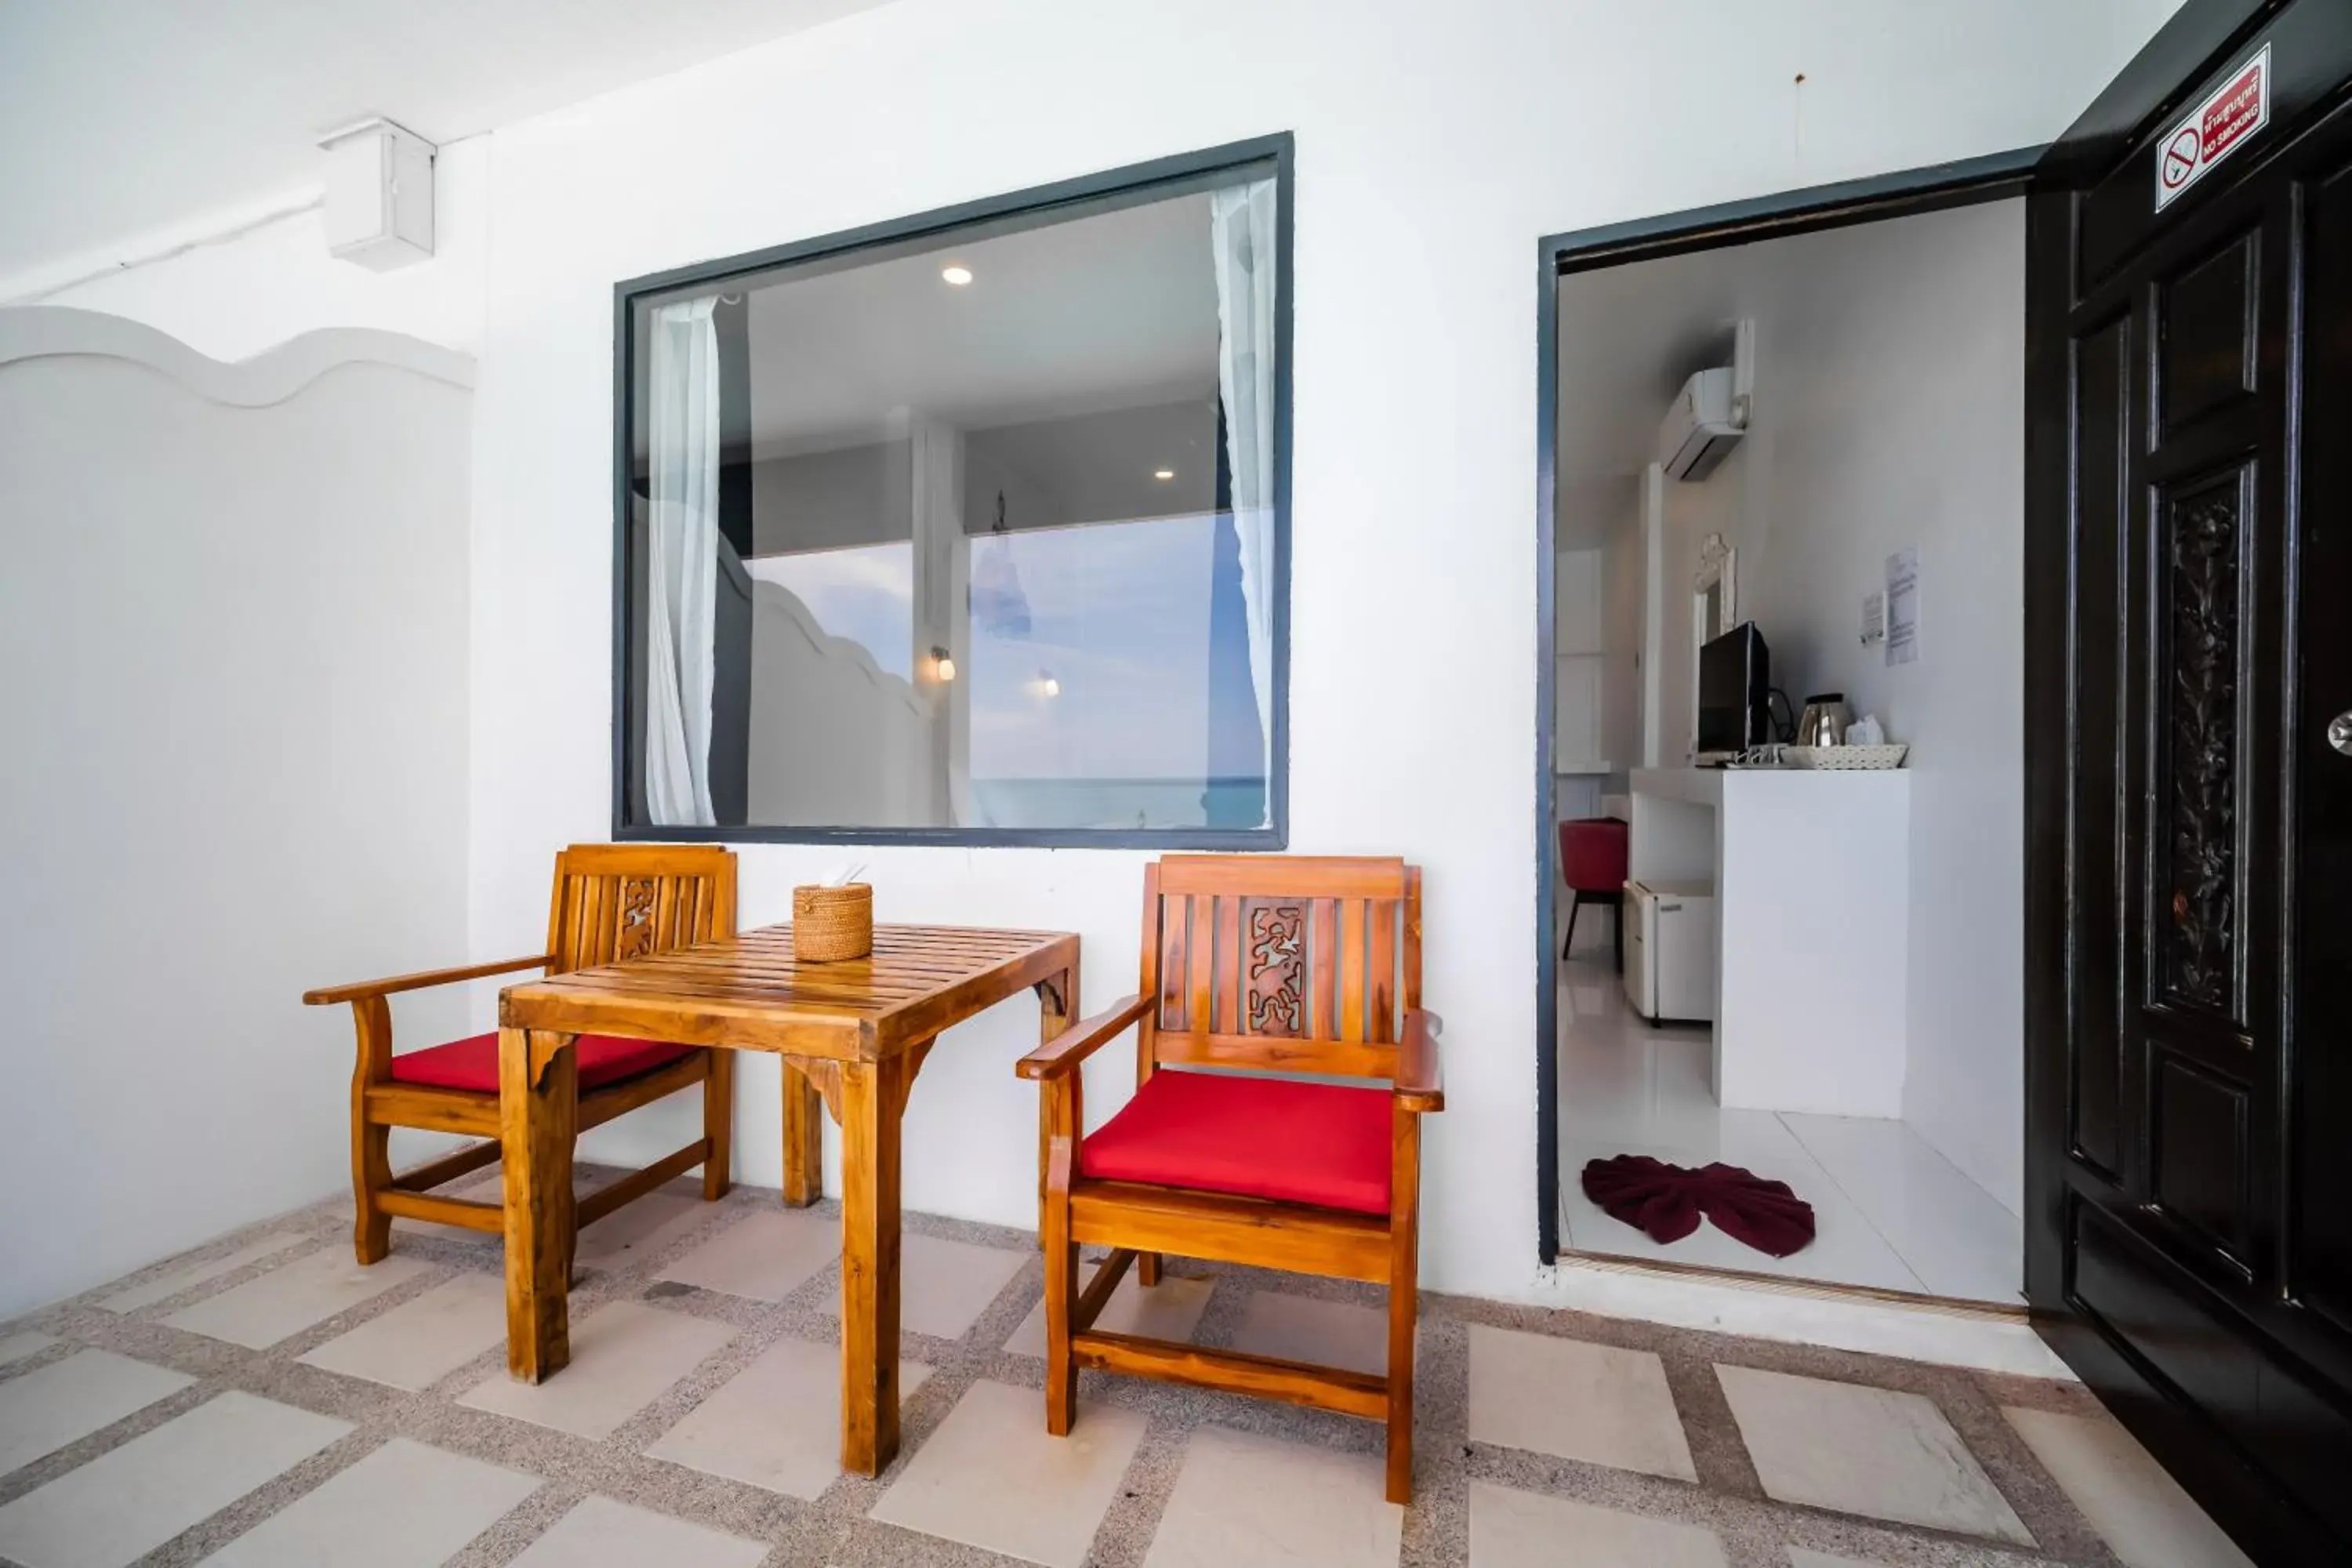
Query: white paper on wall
[1903,607]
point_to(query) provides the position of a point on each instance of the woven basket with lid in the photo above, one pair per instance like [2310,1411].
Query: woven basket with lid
[830,924]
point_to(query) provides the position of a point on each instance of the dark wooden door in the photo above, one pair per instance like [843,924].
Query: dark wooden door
[2190,922]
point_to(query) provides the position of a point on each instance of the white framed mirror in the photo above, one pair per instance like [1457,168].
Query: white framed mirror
[1715,590]
[1715,607]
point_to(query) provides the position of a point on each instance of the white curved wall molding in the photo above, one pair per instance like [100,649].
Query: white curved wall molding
[832,649]
[48,332]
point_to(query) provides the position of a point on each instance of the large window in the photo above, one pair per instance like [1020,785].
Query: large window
[971,528]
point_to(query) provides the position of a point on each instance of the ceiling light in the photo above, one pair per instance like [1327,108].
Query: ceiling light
[1163,474]
[955,275]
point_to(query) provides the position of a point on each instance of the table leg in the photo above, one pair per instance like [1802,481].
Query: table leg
[538,1120]
[872,1096]
[803,1140]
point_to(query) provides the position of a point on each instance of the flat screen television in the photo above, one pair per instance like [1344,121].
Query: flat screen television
[1735,686]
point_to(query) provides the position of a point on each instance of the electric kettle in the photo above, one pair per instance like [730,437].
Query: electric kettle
[1824,720]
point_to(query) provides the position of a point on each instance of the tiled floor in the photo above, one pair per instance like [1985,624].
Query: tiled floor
[1890,1212]
[262,1403]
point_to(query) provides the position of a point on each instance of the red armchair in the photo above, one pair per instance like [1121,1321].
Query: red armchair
[1593,853]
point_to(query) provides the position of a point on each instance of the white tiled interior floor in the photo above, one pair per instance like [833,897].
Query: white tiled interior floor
[272,1405]
[1890,1212]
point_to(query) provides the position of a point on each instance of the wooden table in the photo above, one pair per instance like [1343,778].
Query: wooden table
[854,1034]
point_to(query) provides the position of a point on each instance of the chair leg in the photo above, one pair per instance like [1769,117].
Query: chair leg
[718,1126]
[1404,1296]
[1575,903]
[1147,1268]
[371,1173]
[1061,1293]
[370,1140]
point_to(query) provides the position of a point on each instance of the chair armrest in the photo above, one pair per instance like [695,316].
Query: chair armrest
[419,981]
[1081,1040]
[1420,1081]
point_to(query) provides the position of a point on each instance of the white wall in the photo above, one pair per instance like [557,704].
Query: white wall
[1897,420]
[1446,139]
[237,639]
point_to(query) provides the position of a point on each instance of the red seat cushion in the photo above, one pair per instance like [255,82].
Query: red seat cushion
[473,1063]
[1256,1137]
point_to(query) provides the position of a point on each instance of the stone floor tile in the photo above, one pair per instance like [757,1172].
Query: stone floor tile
[1242,1501]
[1512,1529]
[290,1298]
[423,1340]
[625,1355]
[131,1499]
[47,1408]
[2138,1510]
[945,1286]
[1576,1401]
[171,1284]
[14,1348]
[776,1423]
[764,1257]
[1169,1310]
[1305,1328]
[404,1506]
[601,1533]
[992,1477]
[1869,1451]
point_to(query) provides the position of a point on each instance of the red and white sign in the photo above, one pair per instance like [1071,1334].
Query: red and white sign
[2214,129]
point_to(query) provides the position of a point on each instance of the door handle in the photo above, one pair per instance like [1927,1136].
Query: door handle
[2339,733]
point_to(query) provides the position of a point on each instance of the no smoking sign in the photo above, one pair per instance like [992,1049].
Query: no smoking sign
[2216,128]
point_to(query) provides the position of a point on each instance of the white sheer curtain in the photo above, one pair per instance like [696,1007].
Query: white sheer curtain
[1242,246]
[682,562]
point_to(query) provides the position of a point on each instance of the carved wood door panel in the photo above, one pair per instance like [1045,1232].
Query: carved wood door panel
[2190,1104]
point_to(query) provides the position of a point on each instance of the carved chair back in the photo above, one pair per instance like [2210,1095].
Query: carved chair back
[615,901]
[1295,963]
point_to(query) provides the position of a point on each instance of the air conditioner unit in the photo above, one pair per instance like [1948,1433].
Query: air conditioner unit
[1698,431]
[1710,413]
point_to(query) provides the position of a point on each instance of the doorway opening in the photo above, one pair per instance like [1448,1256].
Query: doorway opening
[1783,450]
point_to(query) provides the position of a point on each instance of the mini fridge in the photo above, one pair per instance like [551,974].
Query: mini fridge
[1670,951]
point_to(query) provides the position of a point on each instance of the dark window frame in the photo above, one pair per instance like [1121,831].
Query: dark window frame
[1035,207]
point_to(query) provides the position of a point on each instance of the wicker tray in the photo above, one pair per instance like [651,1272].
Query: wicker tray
[1844,759]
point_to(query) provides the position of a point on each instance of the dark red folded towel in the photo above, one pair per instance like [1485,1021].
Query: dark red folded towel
[1665,1201]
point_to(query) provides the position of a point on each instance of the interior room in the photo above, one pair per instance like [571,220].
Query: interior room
[1834,984]
[795,783]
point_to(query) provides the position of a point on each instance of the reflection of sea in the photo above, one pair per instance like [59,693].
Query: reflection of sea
[1120,803]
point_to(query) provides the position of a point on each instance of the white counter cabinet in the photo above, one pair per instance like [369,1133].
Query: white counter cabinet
[1811,876]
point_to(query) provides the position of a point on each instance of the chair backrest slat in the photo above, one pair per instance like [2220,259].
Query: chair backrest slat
[1323,970]
[1279,962]
[615,901]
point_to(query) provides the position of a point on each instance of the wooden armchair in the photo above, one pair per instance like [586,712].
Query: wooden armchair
[1285,966]
[611,903]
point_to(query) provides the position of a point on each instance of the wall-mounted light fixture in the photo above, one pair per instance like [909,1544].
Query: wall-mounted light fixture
[1046,685]
[942,665]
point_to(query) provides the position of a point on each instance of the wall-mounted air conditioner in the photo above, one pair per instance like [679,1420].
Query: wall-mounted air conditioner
[1710,414]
